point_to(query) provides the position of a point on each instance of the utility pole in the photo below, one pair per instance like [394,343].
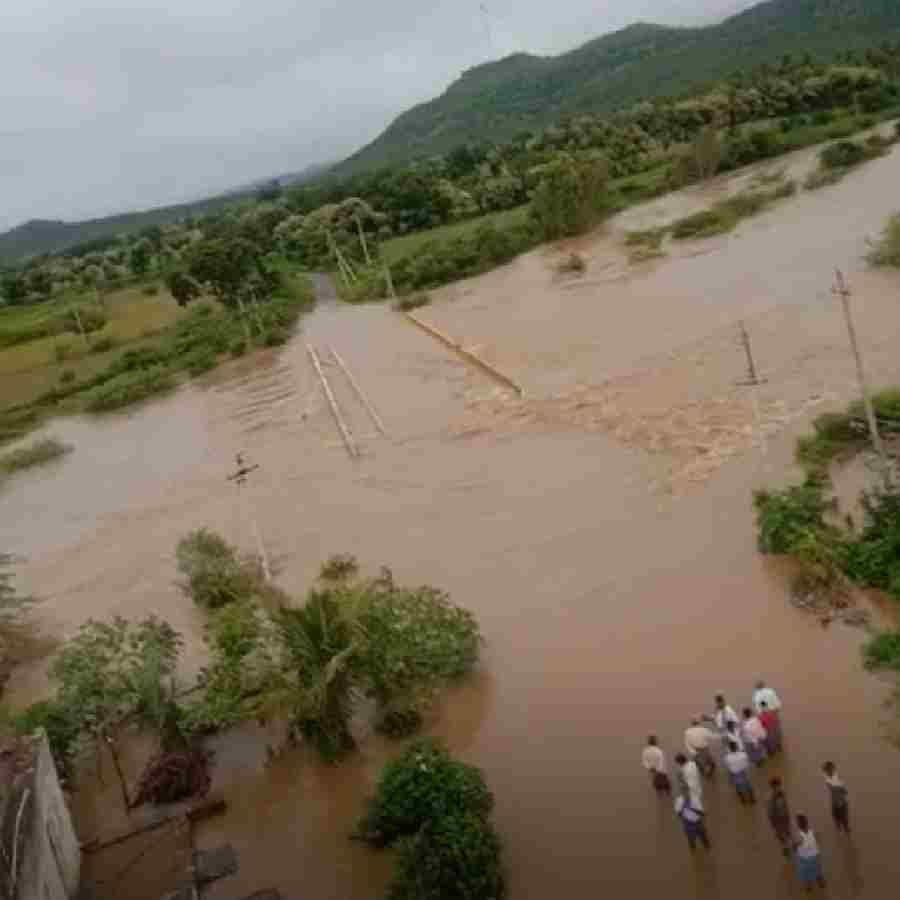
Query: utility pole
[753,381]
[239,477]
[389,281]
[842,289]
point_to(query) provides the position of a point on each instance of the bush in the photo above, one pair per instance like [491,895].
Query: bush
[67,376]
[571,198]
[238,347]
[275,337]
[886,252]
[214,574]
[842,155]
[835,435]
[458,857]
[412,301]
[420,787]
[33,455]
[702,224]
[874,557]
[573,264]
[150,290]
[882,651]
[824,178]
[199,361]
[103,343]
[128,388]
[62,349]
[787,517]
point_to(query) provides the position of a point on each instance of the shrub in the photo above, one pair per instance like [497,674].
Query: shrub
[417,640]
[103,343]
[412,301]
[33,455]
[62,349]
[238,347]
[67,376]
[573,264]
[841,155]
[199,361]
[787,517]
[150,290]
[128,388]
[823,178]
[571,198]
[214,574]
[874,557]
[339,568]
[835,435]
[275,337]
[882,651]
[886,252]
[701,224]
[457,857]
[420,787]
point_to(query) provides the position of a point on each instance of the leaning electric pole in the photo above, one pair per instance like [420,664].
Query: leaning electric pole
[842,290]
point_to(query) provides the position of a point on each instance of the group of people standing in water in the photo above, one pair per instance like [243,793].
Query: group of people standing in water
[744,742]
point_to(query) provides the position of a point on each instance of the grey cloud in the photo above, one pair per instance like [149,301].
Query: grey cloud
[110,107]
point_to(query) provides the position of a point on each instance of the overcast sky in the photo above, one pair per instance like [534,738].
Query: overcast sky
[126,104]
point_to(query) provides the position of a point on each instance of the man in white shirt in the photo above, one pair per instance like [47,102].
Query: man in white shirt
[654,761]
[697,740]
[767,695]
[692,820]
[689,781]
[738,764]
[723,715]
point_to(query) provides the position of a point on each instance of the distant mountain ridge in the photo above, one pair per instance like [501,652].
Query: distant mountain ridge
[496,101]
[39,236]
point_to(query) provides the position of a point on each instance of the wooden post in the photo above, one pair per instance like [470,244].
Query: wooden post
[349,443]
[842,289]
[118,767]
[359,392]
[752,376]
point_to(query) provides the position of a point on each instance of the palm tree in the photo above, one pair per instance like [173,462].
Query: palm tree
[322,640]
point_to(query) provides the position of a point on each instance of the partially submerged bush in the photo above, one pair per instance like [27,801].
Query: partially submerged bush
[573,264]
[34,454]
[874,557]
[786,518]
[412,301]
[421,786]
[436,811]
[213,572]
[886,251]
[457,857]
[882,651]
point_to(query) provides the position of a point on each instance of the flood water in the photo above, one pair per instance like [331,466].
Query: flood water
[601,529]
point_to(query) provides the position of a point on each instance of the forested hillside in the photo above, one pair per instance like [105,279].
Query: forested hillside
[497,101]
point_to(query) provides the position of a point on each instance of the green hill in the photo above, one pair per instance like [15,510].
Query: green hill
[497,101]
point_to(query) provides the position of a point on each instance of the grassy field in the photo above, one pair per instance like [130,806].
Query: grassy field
[28,370]
[398,247]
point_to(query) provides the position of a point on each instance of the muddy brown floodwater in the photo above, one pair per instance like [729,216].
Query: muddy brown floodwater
[601,529]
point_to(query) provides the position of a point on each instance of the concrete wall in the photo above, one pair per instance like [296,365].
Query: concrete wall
[51,857]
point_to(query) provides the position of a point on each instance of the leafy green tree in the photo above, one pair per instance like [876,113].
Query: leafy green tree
[140,257]
[571,198]
[182,287]
[706,153]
